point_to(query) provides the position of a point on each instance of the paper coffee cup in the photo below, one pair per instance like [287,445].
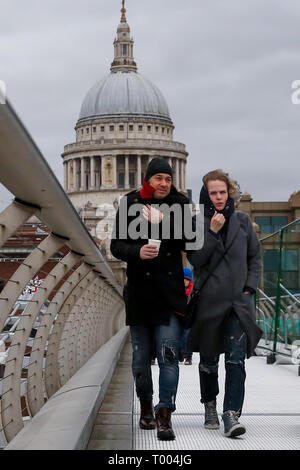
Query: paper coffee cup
[152,241]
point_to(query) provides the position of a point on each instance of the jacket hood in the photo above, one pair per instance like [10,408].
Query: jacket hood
[209,208]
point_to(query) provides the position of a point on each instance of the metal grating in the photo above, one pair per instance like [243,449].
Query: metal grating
[263,432]
[272,422]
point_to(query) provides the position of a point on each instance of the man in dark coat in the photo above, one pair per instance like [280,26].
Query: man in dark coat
[154,294]
[226,270]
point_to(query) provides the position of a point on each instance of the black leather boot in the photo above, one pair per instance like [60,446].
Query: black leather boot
[164,425]
[147,420]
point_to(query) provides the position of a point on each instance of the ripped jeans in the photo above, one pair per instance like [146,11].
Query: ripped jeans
[235,344]
[166,339]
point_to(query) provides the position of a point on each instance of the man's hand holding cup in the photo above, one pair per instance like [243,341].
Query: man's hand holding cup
[150,250]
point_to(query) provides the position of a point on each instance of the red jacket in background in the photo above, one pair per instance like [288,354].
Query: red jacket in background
[189,288]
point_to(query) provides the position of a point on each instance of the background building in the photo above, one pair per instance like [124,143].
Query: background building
[269,217]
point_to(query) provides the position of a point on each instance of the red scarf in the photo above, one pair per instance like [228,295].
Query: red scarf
[147,191]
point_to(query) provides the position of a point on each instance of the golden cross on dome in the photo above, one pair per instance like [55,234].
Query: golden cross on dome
[123,11]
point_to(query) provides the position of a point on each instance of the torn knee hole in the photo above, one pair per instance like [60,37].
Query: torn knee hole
[237,362]
[235,340]
[169,353]
[208,369]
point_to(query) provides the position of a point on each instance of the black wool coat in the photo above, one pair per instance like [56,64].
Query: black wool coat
[154,288]
[223,291]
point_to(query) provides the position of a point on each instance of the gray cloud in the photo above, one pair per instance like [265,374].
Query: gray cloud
[225,68]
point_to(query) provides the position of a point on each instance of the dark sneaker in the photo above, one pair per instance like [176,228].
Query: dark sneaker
[188,361]
[232,427]
[211,415]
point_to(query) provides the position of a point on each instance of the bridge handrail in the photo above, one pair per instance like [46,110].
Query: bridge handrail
[41,189]
[79,306]
[289,294]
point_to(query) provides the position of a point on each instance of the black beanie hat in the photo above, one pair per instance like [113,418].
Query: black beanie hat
[158,165]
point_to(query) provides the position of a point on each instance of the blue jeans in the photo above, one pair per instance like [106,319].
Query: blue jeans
[235,344]
[167,341]
[185,352]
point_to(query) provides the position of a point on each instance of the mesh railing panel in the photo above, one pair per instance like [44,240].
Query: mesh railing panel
[278,297]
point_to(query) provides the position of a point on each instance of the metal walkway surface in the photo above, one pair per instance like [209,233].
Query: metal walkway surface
[271,411]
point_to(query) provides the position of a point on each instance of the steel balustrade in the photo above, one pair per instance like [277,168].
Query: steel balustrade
[79,306]
[278,299]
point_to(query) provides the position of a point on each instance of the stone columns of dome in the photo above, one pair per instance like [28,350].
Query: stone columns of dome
[177,182]
[102,171]
[69,174]
[182,175]
[93,174]
[139,170]
[126,171]
[114,163]
[170,161]
[76,173]
[82,173]
[65,175]
[97,172]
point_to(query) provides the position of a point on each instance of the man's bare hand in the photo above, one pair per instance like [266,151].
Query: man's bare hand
[217,222]
[152,215]
[148,251]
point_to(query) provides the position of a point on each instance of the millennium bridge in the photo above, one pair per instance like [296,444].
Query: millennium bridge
[65,353]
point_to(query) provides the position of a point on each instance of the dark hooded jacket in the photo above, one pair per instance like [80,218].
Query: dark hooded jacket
[155,287]
[229,277]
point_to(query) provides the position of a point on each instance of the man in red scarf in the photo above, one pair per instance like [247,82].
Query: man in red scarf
[154,293]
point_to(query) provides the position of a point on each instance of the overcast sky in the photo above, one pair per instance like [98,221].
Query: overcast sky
[225,68]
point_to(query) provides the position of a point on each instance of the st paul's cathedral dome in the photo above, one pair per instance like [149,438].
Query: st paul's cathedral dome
[123,123]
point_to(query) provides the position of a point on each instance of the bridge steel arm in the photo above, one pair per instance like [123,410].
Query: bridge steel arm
[11,218]
[77,311]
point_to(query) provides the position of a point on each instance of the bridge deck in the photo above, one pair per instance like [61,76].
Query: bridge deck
[271,411]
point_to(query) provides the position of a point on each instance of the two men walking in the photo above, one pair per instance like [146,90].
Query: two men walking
[155,297]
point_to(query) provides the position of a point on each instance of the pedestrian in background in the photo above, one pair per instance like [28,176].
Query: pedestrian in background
[188,277]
